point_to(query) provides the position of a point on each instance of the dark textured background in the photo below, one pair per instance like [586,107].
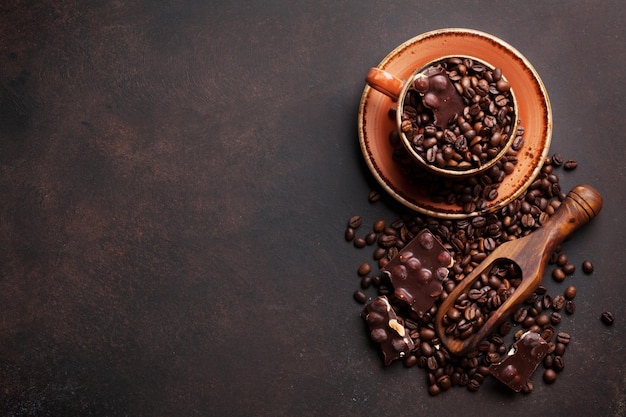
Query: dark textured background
[175,178]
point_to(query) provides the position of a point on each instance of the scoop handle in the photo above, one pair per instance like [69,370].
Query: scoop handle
[384,82]
[582,204]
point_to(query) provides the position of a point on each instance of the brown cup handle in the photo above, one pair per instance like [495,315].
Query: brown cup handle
[386,83]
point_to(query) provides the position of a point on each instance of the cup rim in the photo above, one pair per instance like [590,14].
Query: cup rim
[432,167]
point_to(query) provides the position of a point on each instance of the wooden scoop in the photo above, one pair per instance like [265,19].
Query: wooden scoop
[531,254]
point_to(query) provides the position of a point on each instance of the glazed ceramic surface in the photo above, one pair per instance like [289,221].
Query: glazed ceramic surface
[533,103]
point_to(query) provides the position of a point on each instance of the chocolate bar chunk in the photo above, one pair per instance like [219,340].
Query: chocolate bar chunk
[439,94]
[387,330]
[418,270]
[520,361]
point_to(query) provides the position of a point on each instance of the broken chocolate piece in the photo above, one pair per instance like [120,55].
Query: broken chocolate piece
[439,94]
[418,270]
[387,330]
[520,361]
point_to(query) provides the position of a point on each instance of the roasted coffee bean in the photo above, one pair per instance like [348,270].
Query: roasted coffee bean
[355,222]
[473,385]
[570,307]
[563,337]
[434,390]
[360,296]
[444,382]
[548,361]
[562,259]
[520,314]
[478,222]
[547,333]
[477,376]
[387,241]
[426,349]
[379,253]
[607,318]
[379,225]
[549,376]
[431,363]
[558,302]
[390,231]
[559,348]
[528,220]
[503,85]
[489,244]
[557,160]
[409,361]
[376,281]
[570,164]
[570,292]
[587,267]
[397,224]
[349,234]
[542,320]
[484,346]
[359,242]
[373,197]
[533,312]
[528,321]
[366,282]
[421,361]
[555,317]
[364,269]
[371,238]
[569,269]
[558,364]
[427,333]
[558,274]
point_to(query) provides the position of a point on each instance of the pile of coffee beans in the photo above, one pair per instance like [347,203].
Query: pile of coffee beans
[473,137]
[469,241]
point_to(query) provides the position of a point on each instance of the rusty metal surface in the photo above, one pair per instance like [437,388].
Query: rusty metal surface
[175,178]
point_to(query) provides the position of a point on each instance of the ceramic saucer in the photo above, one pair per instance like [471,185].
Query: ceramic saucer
[375,125]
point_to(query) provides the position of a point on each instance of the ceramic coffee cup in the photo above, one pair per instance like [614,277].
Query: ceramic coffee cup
[456,116]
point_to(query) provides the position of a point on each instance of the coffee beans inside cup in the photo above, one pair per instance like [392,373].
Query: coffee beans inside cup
[479,133]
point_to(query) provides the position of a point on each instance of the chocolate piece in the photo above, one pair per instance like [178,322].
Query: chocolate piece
[439,94]
[418,270]
[520,361]
[387,330]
